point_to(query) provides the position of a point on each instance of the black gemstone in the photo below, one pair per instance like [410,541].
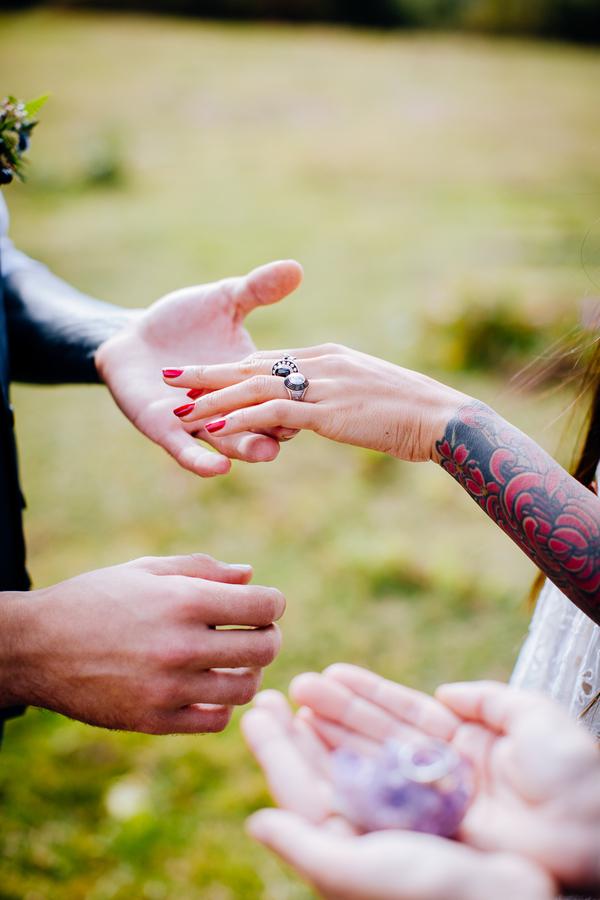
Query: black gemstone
[283,371]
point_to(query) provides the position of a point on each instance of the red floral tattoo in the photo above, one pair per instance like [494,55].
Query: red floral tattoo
[551,516]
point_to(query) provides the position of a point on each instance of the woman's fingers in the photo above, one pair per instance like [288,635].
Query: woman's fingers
[335,702]
[272,414]
[496,705]
[311,361]
[251,392]
[204,379]
[333,736]
[310,850]
[409,706]
[293,782]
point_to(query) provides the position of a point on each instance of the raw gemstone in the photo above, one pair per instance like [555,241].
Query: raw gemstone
[415,785]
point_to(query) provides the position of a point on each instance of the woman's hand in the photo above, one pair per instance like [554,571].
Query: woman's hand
[537,771]
[352,398]
[392,865]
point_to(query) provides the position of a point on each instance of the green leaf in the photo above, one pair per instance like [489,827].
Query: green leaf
[34,106]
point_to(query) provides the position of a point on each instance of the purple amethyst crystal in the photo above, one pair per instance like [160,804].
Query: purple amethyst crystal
[419,785]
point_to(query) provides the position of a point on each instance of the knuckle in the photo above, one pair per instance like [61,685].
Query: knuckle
[200,559]
[332,348]
[249,365]
[151,724]
[164,696]
[279,408]
[330,362]
[261,384]
[145,562]
[174,655]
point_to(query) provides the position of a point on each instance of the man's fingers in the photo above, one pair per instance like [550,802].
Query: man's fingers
[293,781]
[191,455]
[250,448]
[197,565]
[267,284]
[410,706]
[228,604]
[227,687]
[241,647]
[199,718]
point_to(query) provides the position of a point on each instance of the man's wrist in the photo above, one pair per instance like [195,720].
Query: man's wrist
[16,635]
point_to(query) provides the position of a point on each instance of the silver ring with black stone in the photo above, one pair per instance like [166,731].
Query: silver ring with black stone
[296,384]
[284,367]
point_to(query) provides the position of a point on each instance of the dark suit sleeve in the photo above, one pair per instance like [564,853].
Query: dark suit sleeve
[53,329]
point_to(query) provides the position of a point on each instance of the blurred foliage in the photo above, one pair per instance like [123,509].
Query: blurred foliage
[567,19]
[500,333]
[415,177]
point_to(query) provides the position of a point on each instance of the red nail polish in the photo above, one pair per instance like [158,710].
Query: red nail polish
[195,393]
[211,427]
[172,373]
[184,410]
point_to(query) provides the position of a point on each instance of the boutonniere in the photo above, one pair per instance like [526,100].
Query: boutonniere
[17,121]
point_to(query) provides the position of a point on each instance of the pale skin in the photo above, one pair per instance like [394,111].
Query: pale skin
[534,823]
[205,323]
[138,647]
[358,399]
[135,646]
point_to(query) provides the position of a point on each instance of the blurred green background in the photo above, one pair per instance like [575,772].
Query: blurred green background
[438,190]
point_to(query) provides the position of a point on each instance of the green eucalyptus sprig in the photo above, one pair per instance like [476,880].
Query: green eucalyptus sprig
[17,121]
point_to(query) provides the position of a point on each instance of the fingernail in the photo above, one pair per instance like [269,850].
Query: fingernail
[184,410]
[211,427]
[241,567]
[195,393]
[172,373]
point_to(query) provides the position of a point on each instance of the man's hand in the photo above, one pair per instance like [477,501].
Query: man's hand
[389,865]
[203,324]
[137,646]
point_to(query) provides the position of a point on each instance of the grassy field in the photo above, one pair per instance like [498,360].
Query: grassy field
[413,177]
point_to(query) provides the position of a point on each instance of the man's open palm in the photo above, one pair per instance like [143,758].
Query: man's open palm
[202,324]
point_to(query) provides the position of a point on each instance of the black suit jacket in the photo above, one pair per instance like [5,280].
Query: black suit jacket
[49,333]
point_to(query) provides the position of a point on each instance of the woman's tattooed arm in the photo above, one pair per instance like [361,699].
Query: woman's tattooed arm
[551,516]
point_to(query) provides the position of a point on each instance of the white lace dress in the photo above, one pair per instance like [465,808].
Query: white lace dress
[561,656]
